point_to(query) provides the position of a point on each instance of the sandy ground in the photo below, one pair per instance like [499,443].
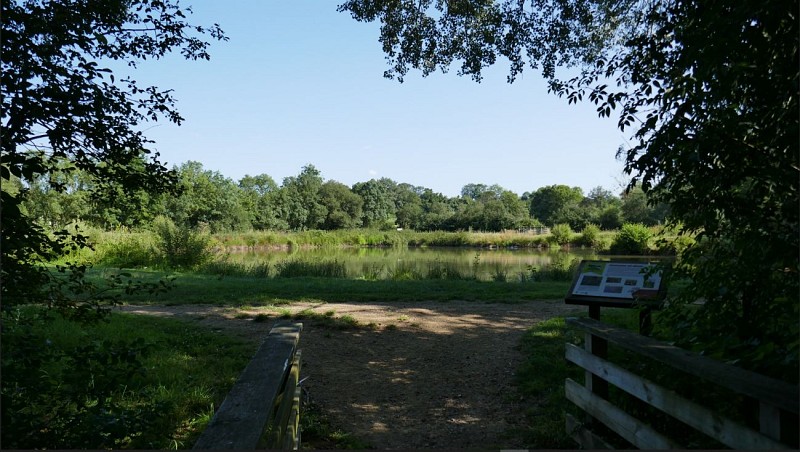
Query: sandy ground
[423,375]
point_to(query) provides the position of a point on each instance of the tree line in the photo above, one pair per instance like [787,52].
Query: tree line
[207,198]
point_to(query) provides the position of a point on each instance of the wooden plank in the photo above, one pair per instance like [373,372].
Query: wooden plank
[583,436]
[769,390]
[634,431]
[291,439]
[704,420]
[240,421]
[279,423]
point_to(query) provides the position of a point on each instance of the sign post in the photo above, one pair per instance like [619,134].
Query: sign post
[618,284]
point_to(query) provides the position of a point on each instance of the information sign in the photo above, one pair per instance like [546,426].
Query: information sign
[616,284]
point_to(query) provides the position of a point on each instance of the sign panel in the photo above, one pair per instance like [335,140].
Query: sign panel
[616,283]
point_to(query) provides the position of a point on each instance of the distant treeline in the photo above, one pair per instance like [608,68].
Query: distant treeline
[208,199]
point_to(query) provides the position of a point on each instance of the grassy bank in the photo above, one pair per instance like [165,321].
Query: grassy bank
[368,237]
[190,288]
[364,237]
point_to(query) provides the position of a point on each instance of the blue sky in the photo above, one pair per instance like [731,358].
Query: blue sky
[299,83]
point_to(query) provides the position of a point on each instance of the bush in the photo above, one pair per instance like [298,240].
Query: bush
[633,238]
[180,246]
[130,250]
[561,234]
[590,236]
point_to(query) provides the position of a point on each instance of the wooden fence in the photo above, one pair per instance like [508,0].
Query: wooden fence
[777,401]
[262,410]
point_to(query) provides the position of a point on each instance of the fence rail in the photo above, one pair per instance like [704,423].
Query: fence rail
[777,401]
[262,410]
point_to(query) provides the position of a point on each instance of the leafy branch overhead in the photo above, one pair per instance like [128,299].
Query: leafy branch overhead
[431,35]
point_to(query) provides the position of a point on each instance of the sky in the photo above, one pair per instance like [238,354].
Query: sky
[299,83]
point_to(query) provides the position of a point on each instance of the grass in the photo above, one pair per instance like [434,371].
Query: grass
[184,371]
[327,319]
[371,237]
[540,378]
[194,288]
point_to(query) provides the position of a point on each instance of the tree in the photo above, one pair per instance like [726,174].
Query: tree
[301,203]
[547,202]
[260,198]
[602,208]
[437,210]
[710,93]
[408,206]
[379,203]
[637,208]
[343,206]
[60,103]
[208,198]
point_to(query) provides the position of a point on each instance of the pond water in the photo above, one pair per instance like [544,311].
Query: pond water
[484,264]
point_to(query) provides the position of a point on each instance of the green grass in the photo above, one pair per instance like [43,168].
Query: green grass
[327,319]
[541,378]
[179,373]
[193,288]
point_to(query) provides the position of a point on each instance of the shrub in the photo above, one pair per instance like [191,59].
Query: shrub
[633,238]
[561,234]
[131,250]
[590,236]
[180,246]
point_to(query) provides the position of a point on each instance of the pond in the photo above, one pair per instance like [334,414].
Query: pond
[378,263]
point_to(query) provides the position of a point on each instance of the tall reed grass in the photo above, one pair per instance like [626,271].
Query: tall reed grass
[299,268]
[376,238]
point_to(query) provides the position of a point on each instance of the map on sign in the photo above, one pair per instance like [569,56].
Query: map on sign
[625,280]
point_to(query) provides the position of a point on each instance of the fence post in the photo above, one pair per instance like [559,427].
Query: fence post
[599,347]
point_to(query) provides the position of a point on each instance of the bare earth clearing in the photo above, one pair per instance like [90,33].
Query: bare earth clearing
[424,375]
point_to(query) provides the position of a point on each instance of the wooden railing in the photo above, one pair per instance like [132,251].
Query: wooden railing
[262,410]
[777,401]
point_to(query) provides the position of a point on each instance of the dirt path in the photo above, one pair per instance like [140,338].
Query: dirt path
[424,375]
